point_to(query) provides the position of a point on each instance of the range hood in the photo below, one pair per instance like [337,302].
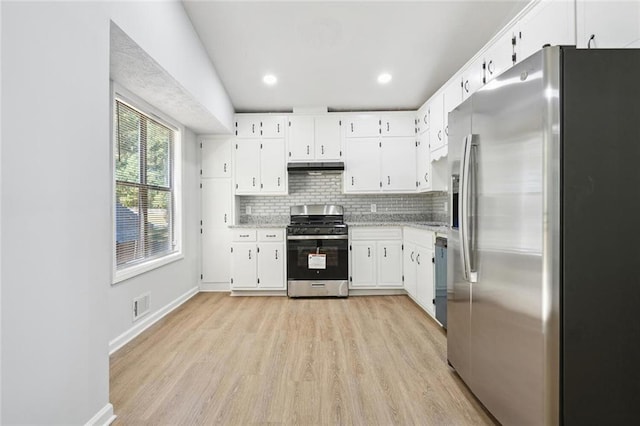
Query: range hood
[334,166]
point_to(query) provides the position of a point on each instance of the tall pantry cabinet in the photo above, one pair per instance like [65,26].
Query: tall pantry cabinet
[217,211]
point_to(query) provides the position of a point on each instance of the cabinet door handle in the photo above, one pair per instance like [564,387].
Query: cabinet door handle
[387,126]
[446,130]
[352,181]
[388,180]
[385,252]
[249,254]
[278,127]
[418,258]
[253,128]
[425,119]
[276,254]
[351,127]
[490,67]
[322,149]
[225,218]
[368,251]
[592,38]
[224,168]
[412,259]
[466,86]
[307,149]
[426,177]
[439,135]
[254,181]
[278,181]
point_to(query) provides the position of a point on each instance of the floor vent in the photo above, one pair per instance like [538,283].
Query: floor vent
[140,306]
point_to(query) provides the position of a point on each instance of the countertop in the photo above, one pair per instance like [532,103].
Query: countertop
[439,228]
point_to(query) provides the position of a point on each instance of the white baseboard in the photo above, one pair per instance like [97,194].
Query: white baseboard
[148,321]
[376,292]
[215,287]
[104,417]
[259,293]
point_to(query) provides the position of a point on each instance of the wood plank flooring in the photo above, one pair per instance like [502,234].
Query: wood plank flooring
[272,360]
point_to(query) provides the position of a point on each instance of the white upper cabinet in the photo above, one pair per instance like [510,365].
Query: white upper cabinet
[608,24]
[247,165]
[499,57]
[423,163]
[301,138]
[398,170]
[422,118]
[397,125]
[247,126]
[315,138]
[363,126]
[472,78]
[272,167]
[216,157]
[548,22]
[328,137]
[362,168]
[272,126]
[436,129]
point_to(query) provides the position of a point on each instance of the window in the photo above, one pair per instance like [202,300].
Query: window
[145,190]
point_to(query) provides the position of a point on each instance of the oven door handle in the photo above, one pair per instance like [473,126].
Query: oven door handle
[317,237]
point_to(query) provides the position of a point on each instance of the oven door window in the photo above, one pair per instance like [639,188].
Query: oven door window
[317,260]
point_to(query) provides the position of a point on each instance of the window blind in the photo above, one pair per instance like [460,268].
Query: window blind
[144,187]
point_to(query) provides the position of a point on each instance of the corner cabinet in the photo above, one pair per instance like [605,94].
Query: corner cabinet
[258,259]
[375,258]
[259,155]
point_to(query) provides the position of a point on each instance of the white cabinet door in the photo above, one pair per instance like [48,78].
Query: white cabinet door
[216,236]
[498,57]
[363,264]
[216,203]
[398,125]
[362,168]
[301,138]
[423,163]
[271,265]
[398,168]
[273,166]
[549,22]
[409,266]
[611,23]
[247,126]
[363,126]
[389,263]
[436,129]
[243,266]
[272,126]
[247,165]
[328,138]
[424,278]
[472,78]
[216,158]
[422,118]
[452,94]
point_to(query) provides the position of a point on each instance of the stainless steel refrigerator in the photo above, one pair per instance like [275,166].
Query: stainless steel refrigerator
[544,254]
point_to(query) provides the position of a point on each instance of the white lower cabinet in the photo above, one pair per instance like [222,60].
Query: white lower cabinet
[258,259]
[418,265]
[375,258]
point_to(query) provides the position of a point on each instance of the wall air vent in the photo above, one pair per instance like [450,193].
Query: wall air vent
[141,306]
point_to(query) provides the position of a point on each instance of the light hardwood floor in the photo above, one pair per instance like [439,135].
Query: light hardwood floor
[229,360]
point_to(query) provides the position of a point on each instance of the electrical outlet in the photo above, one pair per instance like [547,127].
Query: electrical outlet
[374,208]
[248,210]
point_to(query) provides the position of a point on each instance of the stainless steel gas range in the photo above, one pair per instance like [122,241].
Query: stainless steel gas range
[317,252]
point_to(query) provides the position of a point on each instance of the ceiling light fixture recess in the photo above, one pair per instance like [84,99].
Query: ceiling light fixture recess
[384,78]
[270,79]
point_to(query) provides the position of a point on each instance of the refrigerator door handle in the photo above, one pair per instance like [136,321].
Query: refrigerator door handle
[465,199]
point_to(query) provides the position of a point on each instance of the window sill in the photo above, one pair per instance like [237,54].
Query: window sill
[136,270]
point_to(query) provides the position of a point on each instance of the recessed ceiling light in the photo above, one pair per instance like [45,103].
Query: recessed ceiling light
[270,79]
[384,78]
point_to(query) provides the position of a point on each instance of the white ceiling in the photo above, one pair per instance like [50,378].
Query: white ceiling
[329,54]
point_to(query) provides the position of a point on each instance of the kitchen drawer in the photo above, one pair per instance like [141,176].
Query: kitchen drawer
[244,235]
[270,234]
[376,233]
[419,236]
